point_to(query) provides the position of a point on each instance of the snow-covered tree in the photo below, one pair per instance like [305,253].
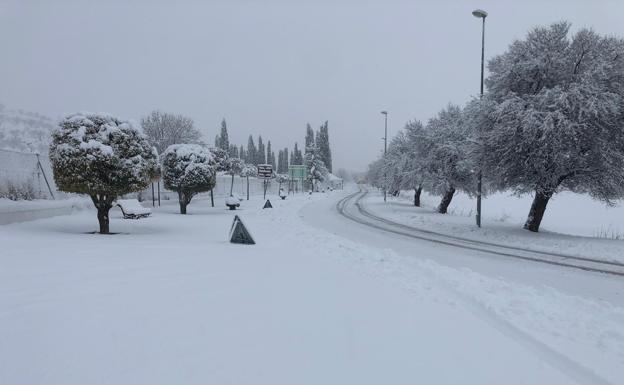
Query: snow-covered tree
[188,169]
[235,167]
[223,138]
[447,166]
[322,142]
[555,111]
[103,157]
[164,129]
[260,154]
[296,157]
[316,168]
[233,151]
[281,178]
[221,159]
[416,148]
[251,151]
[247,171]
[375,173]
[309,137]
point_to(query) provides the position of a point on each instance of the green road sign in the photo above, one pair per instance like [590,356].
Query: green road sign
[297,171]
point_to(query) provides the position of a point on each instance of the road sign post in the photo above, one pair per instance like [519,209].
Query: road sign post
[265,171]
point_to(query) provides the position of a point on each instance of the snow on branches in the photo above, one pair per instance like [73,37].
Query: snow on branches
[316,167]
[188,169]
[550,120]
[102,156]
[556,111]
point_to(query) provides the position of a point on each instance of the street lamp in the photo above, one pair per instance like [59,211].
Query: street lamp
[481,14]
[385,138]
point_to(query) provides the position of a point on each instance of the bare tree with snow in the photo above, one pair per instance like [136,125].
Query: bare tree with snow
[164,129]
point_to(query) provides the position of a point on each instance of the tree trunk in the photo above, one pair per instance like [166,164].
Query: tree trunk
[248,187]
[103,205]
[211,198]
[538,207]
[232,185]
[184,199]
[446,200]
[417,192]
[102,215]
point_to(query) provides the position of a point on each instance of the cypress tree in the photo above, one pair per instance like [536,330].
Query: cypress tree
[260,154]
[224,141]
[251,151]
[322,142]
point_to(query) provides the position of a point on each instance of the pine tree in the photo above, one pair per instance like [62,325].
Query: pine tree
[224,141]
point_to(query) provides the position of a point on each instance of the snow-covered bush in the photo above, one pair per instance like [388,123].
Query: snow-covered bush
[556,110]
[103,157]
[188,169]
[18,191]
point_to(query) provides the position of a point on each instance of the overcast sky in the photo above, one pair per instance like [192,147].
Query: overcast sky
[267,68]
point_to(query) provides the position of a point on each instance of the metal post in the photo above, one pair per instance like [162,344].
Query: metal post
[385,138]
[153,197]
[482,15]
[45,178]
[158,192]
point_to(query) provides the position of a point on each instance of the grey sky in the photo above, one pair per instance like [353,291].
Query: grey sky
[267,68]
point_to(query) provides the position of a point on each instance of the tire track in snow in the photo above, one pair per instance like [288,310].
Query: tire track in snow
[581,263]
[574,370]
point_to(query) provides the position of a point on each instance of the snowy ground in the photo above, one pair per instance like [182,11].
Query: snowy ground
[563,217]
[567,213]
[169,300]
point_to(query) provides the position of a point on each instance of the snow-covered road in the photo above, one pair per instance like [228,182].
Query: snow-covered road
[169,300]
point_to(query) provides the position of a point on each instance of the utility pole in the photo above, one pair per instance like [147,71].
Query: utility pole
[385,138]
[482,15]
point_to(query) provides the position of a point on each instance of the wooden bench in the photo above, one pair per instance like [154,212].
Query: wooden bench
[132,209]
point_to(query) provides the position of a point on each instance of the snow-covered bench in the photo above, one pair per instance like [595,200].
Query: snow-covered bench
[132,209]
[232,202]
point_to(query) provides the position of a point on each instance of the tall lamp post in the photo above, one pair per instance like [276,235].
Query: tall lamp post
[481,14]
[385,138]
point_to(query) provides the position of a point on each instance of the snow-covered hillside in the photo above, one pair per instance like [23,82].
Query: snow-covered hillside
[25,131]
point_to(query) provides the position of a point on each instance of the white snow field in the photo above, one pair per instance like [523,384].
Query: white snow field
[572,223]
[318,300]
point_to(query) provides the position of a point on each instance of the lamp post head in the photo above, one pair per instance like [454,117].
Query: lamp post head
[479,13]
[384,112]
